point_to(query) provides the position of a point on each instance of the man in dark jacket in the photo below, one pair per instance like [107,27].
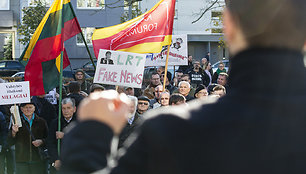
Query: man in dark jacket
[68,110]
[259,127]
[28,159]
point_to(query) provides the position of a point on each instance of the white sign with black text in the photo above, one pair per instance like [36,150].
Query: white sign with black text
[14,93]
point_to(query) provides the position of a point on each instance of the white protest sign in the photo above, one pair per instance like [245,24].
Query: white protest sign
[51,97]
[120,68]
[14,92]
[178,54]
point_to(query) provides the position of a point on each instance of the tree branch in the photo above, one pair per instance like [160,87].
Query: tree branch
[207,9]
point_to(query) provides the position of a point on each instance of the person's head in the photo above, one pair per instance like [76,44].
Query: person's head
[27,109]
[221,66]
[185,77]
[177,99]
[96,87]
[74,87]
[108,55]
[68,108]
[196,65]
[222,79]
[189,58]
[160,70]
[158,91]
[208,53]
[184,88]
[129,91]
[179,75]
[200,92]
[132,106]
[155,79]
[203,61]
[79,75]
[282,24]
[164,99]
[143,104]
[219,90]
[169,77]
[207,66]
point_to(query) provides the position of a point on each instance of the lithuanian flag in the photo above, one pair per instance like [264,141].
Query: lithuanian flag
[43,53]
[147,33]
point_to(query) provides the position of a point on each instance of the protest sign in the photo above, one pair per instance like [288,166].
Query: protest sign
[120,68]
[14,92]
[178,54]
[51,97]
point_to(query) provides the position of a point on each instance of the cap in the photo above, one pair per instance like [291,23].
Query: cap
[143,98]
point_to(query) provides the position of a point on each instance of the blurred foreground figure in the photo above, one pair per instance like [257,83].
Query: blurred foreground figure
[258,127]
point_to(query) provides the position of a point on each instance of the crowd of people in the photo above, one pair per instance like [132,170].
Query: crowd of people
[22,148]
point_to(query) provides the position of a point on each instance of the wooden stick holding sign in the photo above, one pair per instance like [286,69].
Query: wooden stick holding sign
[166,68]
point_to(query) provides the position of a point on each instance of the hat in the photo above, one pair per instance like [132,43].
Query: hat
[96,86]
[79,70]
[143,98]
[31,102]
[199,88]
[127,87]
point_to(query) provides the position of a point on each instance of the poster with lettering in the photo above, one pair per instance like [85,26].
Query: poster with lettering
[178,54]
[120,68]
[14,93]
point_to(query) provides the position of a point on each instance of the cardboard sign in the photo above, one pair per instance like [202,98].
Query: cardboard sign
[178,54]
[16,115]
[15,92]
[120,68]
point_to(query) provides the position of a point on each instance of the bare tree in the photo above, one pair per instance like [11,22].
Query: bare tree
[215,4]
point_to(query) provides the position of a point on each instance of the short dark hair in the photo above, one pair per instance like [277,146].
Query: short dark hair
[74,87]
[186,75]
[174,98]
[154,73]
[272,23]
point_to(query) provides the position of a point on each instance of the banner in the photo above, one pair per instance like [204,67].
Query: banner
[178,54]
[147,33]
[120,68]
[14,93]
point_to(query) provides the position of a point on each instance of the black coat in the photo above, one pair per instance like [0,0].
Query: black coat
[25,150]
[259,127]
[52,141]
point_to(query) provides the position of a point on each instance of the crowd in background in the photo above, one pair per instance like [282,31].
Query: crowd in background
[33,148]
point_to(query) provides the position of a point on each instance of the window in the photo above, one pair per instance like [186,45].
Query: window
[2,65]
[93,4]
[44,2]
[216,15]
[5,5]
[14,65]
[87,32]
[135,5]
[216,30]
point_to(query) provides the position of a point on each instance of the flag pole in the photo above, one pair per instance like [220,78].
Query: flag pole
[60,87]
[92,61]
[166,68]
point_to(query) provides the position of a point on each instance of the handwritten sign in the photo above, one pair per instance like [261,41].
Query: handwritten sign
[15,92]
[120,68]
[178,54]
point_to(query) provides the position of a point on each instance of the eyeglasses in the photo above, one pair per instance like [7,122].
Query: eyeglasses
[142,103]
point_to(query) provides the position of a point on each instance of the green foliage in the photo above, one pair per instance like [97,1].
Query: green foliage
[32,16]
[8,48]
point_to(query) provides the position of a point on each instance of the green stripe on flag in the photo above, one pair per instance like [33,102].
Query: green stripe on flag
[50,75]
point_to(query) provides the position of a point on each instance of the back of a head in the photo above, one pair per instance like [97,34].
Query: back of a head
[74,87]
[174,98]
[271,23]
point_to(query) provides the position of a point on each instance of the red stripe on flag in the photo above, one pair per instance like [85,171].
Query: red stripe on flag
[46,49]
[71,28]
[33,74]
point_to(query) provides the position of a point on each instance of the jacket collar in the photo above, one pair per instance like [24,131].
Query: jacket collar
[266,69]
